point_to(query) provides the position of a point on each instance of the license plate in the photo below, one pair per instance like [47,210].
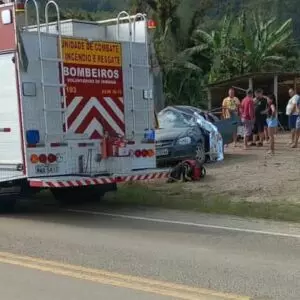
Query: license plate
[162,152]
[46,169]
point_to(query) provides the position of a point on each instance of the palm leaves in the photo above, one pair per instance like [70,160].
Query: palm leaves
[263,43]
[177,20]
[217,45]
[243,45]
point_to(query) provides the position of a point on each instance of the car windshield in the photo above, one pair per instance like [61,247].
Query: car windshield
[174,119]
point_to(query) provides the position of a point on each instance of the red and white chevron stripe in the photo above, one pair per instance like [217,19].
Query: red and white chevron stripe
[151,176]
[93,116]
[83,181]
[69,183]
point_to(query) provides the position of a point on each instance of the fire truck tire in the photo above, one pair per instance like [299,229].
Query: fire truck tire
[8,205]
[78,195]
[66,195]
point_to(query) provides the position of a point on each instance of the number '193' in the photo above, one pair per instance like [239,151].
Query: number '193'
[71,89]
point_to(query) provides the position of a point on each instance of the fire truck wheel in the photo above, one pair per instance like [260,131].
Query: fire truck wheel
[94,194]
[7,205]
[76,195]
[200,154]
[67,195]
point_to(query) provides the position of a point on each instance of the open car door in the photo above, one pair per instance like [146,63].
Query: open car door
[227,127]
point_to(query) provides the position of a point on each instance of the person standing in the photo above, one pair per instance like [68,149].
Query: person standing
[247,116]
[230,109]
[297,126]
[292,113]
[272,121]
[260,104]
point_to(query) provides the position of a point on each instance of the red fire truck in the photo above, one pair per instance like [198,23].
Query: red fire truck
[76,106]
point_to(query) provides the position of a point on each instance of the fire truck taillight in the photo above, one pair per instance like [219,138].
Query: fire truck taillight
[51,158]
[151,152]
[34,158]
[43,158]
[138,153]
[144,153]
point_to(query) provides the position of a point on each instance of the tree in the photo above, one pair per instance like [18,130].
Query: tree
[244,45]
[183,78]
[217,45]
[265,43]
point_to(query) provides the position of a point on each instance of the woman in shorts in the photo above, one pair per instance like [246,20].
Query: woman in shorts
[272,121]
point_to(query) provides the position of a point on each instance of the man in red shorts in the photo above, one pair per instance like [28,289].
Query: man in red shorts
[247,116]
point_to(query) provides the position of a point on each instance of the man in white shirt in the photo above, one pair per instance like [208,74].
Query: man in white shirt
[292,113]
[297,129]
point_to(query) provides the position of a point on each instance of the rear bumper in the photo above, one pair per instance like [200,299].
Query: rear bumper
[77,181]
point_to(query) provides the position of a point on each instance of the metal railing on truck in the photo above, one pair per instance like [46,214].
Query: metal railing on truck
[43,59]
[132,21]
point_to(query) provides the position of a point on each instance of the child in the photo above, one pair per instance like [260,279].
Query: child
[272,121]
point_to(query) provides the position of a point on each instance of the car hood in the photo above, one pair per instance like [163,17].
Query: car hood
[169,134]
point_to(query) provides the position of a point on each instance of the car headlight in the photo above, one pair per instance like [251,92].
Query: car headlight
[184,141]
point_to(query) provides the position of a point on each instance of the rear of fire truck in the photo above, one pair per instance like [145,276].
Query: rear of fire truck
[77,106]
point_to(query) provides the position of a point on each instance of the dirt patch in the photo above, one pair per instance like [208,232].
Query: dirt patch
[250,175]
[253,175]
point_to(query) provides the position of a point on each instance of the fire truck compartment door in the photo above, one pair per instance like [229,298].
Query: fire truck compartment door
[10,131]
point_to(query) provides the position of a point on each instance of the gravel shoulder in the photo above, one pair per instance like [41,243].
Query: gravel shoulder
[253,175]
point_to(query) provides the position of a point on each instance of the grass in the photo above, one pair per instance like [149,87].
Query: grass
[178,196]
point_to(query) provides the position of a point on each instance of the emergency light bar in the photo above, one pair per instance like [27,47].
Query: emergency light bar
[20,6]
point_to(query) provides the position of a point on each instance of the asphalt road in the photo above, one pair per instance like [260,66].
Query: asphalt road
[27,284]
[215,255]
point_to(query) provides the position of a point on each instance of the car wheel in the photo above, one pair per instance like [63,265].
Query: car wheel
[200,153]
